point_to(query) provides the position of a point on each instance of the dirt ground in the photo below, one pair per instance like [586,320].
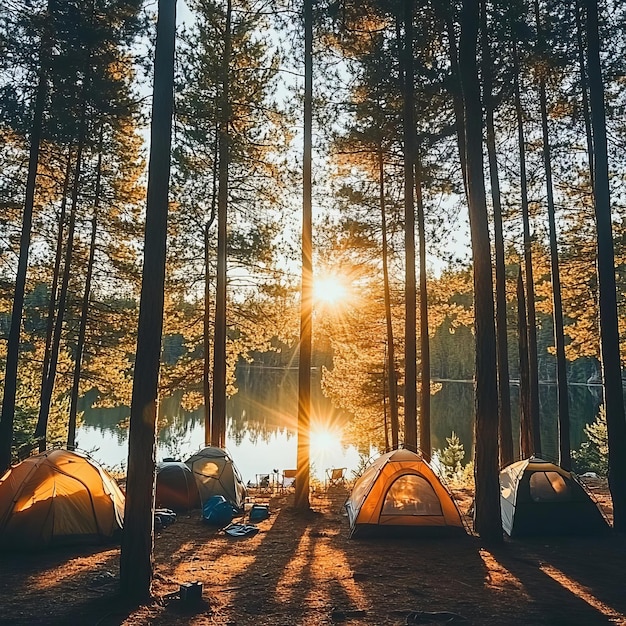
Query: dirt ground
[302,569]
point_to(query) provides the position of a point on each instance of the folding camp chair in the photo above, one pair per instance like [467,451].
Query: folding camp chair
[335,476]
[288,479]
[264,483]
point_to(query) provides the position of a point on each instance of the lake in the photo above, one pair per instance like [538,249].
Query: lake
[261,425]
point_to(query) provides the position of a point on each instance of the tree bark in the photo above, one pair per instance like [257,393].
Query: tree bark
[391,360]
[487,521]
[218,426]
[306,293]
[410,291]
[138,538]
[13,343]
[565,456]
[531,316]
[502,349]
[609,331]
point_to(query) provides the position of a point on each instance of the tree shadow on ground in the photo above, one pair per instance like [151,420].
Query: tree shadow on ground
[570,580]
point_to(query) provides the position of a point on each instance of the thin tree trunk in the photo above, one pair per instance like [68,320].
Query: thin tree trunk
[391,360]
[80,344]
[306,294]
[410,325]
[52,303]
[609,331]
[218,430]
[13,343]
[48,386]
[385,419]
[565,457]
[502,348]
[533,370]
[525,422]
[138,537]
[487,521]
[424,414]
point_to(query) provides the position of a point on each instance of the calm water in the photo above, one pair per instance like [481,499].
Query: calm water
[261,426]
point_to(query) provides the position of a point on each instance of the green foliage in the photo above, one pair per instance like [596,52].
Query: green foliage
[26,411]
[593,454]
[448,463]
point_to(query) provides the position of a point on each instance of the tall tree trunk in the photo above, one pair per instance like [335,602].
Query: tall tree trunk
[457,93]
[52,302]
[424,414]
[218,430]
[525,421]
[80,344]
[533,369]
[487,520]
[306,293]
[391,360]
[609,332]
[410,150]
[48,385]
[138,537]
[502,348]
[206,342]
[584,87]
[565,457]
[13,343]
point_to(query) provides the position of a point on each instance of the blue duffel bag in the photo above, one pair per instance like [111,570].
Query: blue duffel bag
[217,511]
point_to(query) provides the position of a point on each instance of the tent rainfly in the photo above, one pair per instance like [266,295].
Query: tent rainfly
[58,497]
[400,491]
[216,475]
[176,487]
[538,497]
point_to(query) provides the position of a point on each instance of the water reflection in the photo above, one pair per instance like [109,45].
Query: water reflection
[261,426]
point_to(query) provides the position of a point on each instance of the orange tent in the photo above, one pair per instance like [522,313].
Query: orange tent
[58,497]
[400,489]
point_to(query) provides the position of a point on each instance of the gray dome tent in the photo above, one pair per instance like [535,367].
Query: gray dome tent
[540,498]
[176,487]
[216,475]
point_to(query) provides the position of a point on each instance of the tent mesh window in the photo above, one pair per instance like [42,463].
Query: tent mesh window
[411,495]
[549,487]
[209,467]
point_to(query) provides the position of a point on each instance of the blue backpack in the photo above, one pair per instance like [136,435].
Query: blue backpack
[217,511]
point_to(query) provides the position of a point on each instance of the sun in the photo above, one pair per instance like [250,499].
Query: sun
[325,442]
[329,289]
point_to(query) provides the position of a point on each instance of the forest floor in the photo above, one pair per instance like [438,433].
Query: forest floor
[302,569]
